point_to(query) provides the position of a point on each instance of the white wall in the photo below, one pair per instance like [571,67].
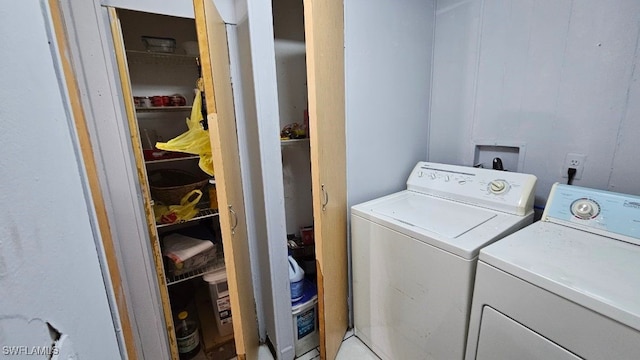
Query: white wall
[296,168]
[136,24]
[292,101]
[181,8]
[557,76]
[50,271]
[291,69]
[257,114]
[388,50]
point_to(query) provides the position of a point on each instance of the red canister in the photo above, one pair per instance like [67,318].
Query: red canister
[161,100]
[156,100]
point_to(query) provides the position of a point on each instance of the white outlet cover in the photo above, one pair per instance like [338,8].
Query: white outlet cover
[574,157]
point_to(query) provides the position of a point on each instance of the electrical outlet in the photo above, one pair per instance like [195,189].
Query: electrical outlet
[575,161]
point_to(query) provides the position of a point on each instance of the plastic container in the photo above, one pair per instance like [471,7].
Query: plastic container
[296,280]
[187,336]
[306,233]
[159,44]
[305,320]
[219,291]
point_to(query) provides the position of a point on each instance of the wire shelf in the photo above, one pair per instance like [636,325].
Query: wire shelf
[163,109]
[214,265]
[294,141]
[202,214]
[172,159]
[144,57]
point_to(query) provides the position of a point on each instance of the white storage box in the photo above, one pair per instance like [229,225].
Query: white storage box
[219,291]
[305,320]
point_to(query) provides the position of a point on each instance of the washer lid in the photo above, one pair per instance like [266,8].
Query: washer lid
[442,217]
[595,271]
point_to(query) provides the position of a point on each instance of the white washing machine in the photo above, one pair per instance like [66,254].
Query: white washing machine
[566,287]
[414,256]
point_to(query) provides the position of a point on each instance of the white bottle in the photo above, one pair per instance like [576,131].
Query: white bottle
[296,277]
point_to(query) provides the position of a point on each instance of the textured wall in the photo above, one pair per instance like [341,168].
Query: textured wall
[387,72]
[557,76]
[50,276]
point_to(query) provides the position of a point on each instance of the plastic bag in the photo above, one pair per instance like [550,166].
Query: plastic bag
[195,140]
[178,213]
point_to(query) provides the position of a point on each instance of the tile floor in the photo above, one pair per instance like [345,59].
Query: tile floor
[352,349]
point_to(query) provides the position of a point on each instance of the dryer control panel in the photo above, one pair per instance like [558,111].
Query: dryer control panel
[602,212]
[497,190]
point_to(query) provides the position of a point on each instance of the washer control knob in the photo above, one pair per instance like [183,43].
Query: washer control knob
[585,209]
[498,186]
[433,176]
[420,174]
[446,178]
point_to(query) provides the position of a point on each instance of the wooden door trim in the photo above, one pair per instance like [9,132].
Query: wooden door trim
[210,28]
[123,72]
[324,34]
[86,149]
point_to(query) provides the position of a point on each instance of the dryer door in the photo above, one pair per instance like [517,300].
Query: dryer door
[503,338]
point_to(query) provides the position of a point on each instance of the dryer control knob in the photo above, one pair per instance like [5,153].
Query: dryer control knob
[498,186]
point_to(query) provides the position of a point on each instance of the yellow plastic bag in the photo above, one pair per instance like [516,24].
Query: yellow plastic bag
[195,140]
[178,213]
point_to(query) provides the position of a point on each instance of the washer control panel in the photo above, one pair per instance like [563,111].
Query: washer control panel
[498,190]
[499,186]
[603,212]
[585,209]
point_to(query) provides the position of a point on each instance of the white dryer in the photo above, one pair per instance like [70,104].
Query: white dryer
[566,287]
[414,256]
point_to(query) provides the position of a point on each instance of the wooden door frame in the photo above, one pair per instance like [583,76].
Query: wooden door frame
[120,313]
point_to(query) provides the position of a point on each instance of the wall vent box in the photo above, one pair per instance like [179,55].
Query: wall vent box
[511,154]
